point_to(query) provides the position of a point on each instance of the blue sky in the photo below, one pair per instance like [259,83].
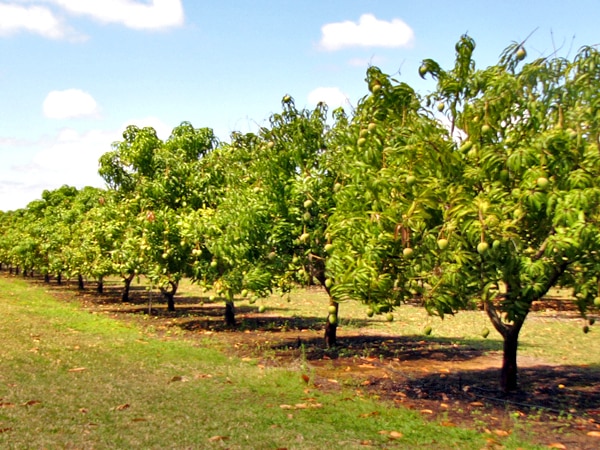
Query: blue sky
[75,73]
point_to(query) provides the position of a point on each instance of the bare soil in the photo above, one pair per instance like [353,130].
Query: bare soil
[452,382]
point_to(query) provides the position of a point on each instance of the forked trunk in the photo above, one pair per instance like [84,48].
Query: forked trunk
[169,295]
[510,334]
[127,285]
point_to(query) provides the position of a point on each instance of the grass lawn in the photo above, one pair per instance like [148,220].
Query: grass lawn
[74,379]
[71,379]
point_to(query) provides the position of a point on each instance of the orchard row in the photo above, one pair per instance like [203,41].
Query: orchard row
[486,191]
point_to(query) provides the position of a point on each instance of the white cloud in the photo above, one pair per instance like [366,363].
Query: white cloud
[155,14]
[35,19]
[368,32]
[69,157]
[332,96]
[70,103]
[72,157]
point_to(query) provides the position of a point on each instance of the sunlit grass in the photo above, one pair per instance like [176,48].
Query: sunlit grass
[71,379]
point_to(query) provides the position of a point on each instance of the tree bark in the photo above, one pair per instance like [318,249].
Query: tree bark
[100,287]
[59,278]
[331,326]
[169,295]
[127,281]
[230,313]
[510,334]
[509,371]
[46,277]
[80,283]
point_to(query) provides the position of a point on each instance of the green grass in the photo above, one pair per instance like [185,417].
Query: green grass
[71,379]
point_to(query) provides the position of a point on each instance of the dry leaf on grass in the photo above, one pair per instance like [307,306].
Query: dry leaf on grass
[557,445]
[7,405]
[77,369]
[501,432]
[4,430]
[122,407]
[32,403]
[395,435]
[202,375]
[218,438]
[594,433]
[302,406]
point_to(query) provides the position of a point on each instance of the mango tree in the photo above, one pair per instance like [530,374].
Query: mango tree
[387,199]
[524,203]
[517,192]
[279,192]
[159,182]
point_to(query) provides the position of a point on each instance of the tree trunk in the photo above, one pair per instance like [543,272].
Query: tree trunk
[229,313]
[127,281]
[317,270]
[59,278]
[508,373]
[169,295]
[510,334]
[100,288]
[46,277]
[80,284]
[332,323]
[17,270]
